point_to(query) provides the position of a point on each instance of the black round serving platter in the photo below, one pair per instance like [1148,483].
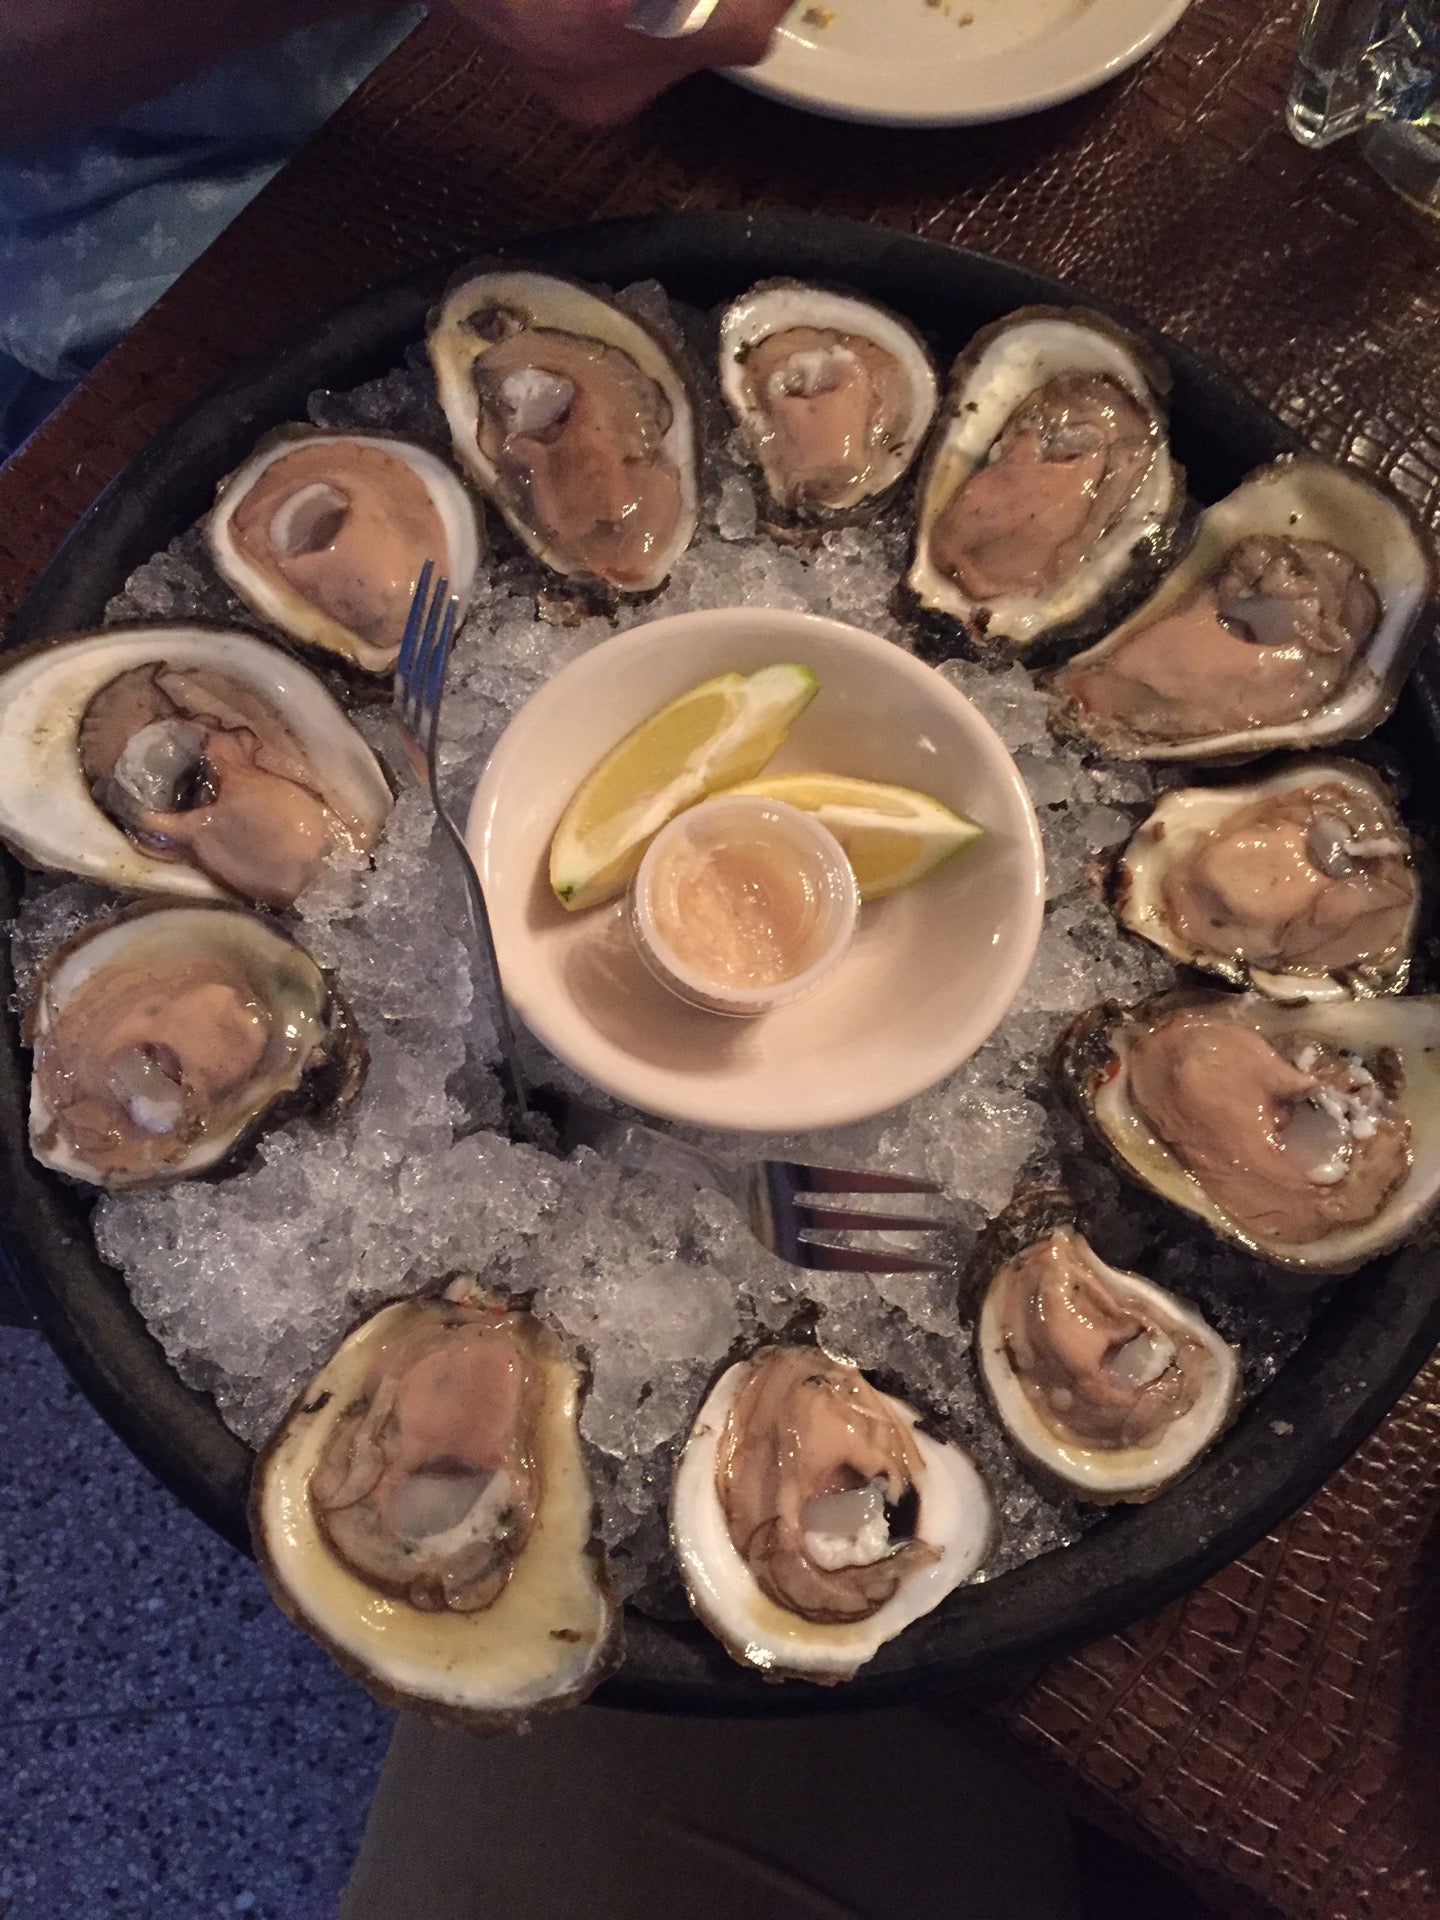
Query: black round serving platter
[1368,1338]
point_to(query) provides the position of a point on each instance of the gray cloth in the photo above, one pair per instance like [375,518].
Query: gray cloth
[599,1815]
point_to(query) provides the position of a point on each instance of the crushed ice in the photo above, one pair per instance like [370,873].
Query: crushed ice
[249,1282]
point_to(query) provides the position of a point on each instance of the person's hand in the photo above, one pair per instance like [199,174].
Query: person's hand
[591,66]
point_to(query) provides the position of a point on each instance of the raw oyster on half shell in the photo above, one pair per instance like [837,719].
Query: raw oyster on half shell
[425,1512]
[1308,1134]
[324,534]
[182,760]
[1103,1380]
[814,1517]
[576,422]
[1291,622]
[832,394]
[1300,884]
[1049,497]
[165,1037]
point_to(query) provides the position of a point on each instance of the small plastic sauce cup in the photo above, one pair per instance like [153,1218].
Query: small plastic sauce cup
[742,905]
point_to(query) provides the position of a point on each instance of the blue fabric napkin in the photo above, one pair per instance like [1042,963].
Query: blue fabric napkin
[93,228]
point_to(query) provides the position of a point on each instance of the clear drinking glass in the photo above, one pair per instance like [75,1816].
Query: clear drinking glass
[1372,67]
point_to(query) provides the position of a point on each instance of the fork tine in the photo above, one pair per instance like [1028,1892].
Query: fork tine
[819,1258]
[416,702]
[414,622]
[855,1180]
[434,688]
[409,686]
[854,1219]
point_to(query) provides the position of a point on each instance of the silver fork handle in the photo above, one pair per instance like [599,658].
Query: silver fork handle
[518,1086]
[644,1150]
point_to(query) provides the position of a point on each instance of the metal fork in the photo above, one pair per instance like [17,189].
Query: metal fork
[777,1197]
[671,19]
[418,691]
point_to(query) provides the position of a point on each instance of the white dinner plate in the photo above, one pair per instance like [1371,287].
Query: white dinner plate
[935,63]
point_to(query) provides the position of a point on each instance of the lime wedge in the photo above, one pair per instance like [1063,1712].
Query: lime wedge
[717,734]
[892,836]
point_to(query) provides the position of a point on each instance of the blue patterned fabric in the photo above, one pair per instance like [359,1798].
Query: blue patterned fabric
[94,228]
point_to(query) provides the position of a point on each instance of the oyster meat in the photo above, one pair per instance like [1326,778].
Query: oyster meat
[424,1511]
[1308,1133]
[1104,1381]
[576,422]
[814,1517]
[182,760]
[1292,621]
[1049,497]
[833,396]
[324,534]
[163,1038]
[1299,884]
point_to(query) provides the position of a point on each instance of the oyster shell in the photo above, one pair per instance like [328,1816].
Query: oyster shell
[1103,1381]
[1308,1134]
[165,1037]
[833,396]
[1300,884]
[575,421]
[813,1517]
[1292,621]
[425,1513]
[1048,499]
[324,534]
[181,760]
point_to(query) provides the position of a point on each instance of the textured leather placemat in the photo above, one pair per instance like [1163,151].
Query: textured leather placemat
[1279,1728]
[1276,1729]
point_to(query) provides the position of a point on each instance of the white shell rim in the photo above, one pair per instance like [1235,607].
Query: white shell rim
[956,1513]
[1364,1024]
[1021,356]
[94,948]
[47,813]
[1312,498]
[545,299]
[772,307]
[1184,814]
[445,1661]
[1104,1474]
[275,600]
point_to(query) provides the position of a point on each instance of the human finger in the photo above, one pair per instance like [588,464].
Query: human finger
[585,58]
[562,35]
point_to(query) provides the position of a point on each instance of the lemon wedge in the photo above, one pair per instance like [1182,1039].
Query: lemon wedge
[720,732]
[892,836]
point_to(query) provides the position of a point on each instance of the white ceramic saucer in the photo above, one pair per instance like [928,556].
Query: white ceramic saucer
[932,969]
[946,63]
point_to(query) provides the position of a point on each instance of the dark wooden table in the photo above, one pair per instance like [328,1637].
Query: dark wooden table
[1277,1731]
